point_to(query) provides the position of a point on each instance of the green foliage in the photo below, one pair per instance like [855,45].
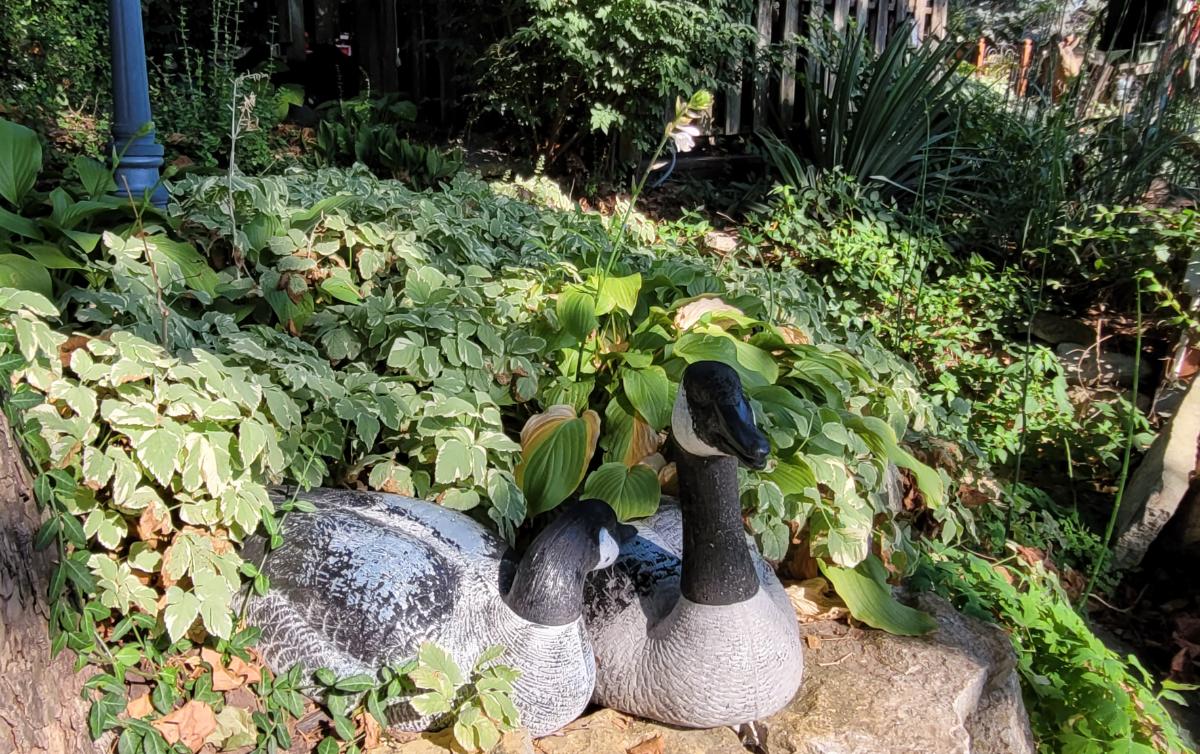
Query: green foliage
[333,328]
[958,318]
[57,56]
[884,118]
[1065,669]
[197,103]
[869,599]
[574,71]
[367,131]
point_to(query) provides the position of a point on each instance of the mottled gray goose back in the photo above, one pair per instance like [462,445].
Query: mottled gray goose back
[366,578]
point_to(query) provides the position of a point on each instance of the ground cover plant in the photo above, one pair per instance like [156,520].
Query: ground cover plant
[335,328]
[174,378]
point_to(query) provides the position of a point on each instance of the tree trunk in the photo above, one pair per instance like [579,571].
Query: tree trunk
[41,711]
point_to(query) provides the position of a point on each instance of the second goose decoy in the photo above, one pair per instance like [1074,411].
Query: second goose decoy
[691,626]
[366,578]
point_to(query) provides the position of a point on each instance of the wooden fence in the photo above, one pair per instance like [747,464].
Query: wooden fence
[401,45]
[771,93]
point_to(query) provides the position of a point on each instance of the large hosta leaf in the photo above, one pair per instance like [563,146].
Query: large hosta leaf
[20,161]
[631,491]
[556,448]
[649,391]
[865,590]
[22,273]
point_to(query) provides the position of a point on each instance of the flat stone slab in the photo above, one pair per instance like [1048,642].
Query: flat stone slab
[954,691]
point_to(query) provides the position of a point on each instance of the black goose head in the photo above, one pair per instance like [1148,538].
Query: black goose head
[712,416]
[548,585]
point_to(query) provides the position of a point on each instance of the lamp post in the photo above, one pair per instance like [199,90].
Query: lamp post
[139,155]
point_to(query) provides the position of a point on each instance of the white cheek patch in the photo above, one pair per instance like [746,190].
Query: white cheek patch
[684,430]
[609,550]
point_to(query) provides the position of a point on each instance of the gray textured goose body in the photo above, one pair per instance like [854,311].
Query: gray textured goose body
[366,578]
[690,626]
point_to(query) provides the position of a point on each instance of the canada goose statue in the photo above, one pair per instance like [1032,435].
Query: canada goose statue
[363,580]
[690,626]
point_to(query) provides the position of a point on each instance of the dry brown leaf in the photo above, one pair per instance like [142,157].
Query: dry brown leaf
[249,672]
[372,731]
[644,443]
[190,724]
[649,746]
[814,600]
[140,707]
[668,479]
[69,346]
[222,679]
[813,641]
[794,336]
[154,522]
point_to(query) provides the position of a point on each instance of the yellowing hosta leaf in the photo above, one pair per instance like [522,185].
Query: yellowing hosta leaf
[556,448]
[689,314]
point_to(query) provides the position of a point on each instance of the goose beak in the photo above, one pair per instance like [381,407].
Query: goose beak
[740,434]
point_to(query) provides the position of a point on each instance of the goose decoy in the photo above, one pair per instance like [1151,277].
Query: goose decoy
[690,626]
[363,580]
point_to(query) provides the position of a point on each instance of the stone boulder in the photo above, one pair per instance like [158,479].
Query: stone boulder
[1160,482]
[954,691]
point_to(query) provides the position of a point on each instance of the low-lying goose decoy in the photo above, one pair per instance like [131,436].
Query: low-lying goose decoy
[690,626]
[366,578]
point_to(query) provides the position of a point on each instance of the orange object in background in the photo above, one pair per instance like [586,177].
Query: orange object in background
[1026,59]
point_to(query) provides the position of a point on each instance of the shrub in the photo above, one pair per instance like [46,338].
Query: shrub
[1081,696]
[574,71]
[883,118]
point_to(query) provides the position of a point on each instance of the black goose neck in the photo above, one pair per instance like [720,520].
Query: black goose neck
[717,566]
[547,588]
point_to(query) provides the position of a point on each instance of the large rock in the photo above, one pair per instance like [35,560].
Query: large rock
[865,692]
[954,691]
[1160,482]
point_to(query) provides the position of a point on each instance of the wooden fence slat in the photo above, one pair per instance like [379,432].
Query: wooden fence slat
[764,21]
[882,12]
[787,77]
[862,9]
[937,19]
[840,10]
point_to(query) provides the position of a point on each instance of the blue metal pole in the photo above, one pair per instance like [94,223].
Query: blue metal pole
[139,154]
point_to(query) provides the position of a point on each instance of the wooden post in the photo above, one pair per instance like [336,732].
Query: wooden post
[325,13]
[787,77]
[291,29]
[763,22]
[841,9]
[1023,73]
[882,13]
[937,18]
[862,9]
[376,43]
[920,8]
